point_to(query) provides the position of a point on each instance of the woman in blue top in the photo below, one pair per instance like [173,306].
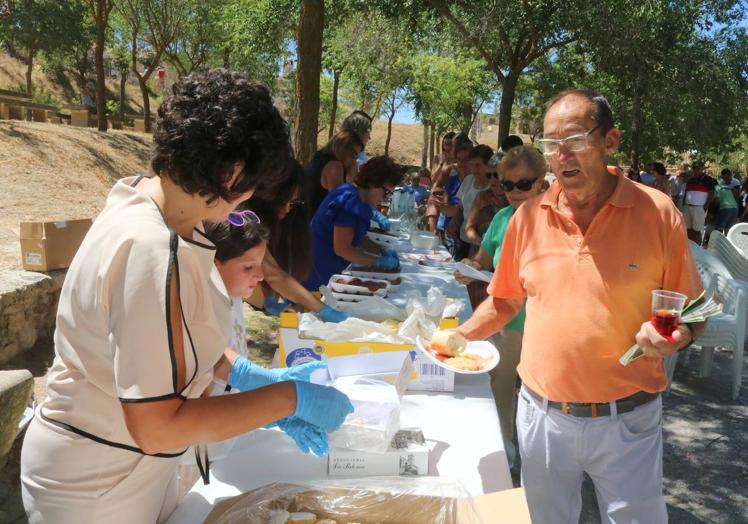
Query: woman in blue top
[340,224]
[521,172]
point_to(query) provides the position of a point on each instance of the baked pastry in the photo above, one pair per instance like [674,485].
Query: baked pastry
[302,517]
[466,362]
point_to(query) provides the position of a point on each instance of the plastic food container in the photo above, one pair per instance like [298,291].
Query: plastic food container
[424,240]
[353,285]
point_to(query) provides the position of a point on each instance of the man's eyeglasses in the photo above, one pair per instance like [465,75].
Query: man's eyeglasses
[573,143]
[296,203]
[524,184]
[241,218]
[492,174]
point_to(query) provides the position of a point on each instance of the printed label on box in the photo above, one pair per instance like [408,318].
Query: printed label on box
[408,454]
[34,259]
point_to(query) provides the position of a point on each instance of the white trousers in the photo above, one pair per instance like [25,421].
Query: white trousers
[621,453]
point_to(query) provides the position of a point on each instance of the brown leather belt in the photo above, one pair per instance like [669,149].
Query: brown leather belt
[575,409]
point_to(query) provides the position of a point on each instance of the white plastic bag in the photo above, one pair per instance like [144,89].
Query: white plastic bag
[375,309]
[434,305]
[404,500]
[375,418]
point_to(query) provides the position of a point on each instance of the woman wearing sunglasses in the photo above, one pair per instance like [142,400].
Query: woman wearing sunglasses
[288,259]
[143,319]
[521,171]
[340,224]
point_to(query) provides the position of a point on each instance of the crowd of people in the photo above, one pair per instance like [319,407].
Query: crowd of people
[150,330]
[706,203]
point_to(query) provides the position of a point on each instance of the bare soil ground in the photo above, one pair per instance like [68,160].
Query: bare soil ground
[55,172]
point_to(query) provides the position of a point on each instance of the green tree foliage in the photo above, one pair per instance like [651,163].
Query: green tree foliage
[674,85]
[202,39]
[257,34]
[371,54]
[76,58]
[151,27]
[509,35]
[448,91]
[33,26]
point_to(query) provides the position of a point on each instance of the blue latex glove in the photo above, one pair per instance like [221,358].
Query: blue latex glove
[328,314]
[380,219]
[246,376]
[307,437]
[273,307]
[390,253]
[385,261]
[323,406]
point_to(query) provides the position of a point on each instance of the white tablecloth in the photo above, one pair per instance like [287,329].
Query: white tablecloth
[462,429]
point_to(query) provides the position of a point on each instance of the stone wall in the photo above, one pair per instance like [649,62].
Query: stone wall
[28,306]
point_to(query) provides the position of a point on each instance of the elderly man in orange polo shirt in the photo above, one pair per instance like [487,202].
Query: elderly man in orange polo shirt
[585,255]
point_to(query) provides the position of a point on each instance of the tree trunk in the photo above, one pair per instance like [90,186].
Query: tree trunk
[467,117]
[122,96]
[432,144]
[309,42]
[508,90]
[226,58]
[393,110]
[29,69]
[636,116]
[146,104]
[29,86]
[101,23]
[425,148]
[334,109]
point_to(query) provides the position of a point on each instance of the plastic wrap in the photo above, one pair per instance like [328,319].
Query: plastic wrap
[380,500]
[376,415]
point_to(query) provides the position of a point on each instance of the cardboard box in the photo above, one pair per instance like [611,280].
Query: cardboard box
[408,454]
[51,245]
[252,507]
[292,349]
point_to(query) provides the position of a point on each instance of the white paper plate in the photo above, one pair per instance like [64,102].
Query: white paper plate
[481,348]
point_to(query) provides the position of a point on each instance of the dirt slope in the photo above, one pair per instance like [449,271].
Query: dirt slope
[54,172]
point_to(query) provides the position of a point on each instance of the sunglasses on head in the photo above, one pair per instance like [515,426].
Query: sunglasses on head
[241,218]
[524,184]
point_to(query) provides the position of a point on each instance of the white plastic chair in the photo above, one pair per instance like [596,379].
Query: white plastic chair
[726,329]
[738,235]
[714,273]
[730,255]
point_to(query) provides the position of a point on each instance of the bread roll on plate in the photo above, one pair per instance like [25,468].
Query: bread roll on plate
[449,343]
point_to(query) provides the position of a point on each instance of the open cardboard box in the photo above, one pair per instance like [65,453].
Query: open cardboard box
[51,245]
[292,349]
[346,505]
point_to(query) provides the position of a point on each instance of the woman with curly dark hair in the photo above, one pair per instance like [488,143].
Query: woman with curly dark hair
[340,224]
[143,320]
